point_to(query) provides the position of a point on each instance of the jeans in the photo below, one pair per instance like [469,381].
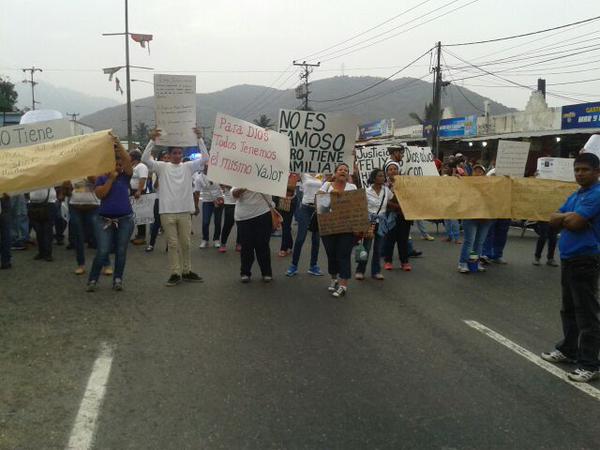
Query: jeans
[546,233]
[5,238]
[208,208]
[228,223]
[476,230]
[580,312]
[421,227]
[287,241]
[114,235]
[255,234]
[494,244]
[19,220]
[155,225]
[375,259]
[303,216]
[43,231]
[339,254]
[397,236]
[452,229]
[80,219]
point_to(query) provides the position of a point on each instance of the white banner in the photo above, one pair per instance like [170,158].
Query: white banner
[248,156]
[175,103]
[556,169]
[319,141]
[34,133]
[418,161]
[512,158]
[369,158]
[143,209]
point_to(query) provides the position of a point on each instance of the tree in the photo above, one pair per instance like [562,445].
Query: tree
[263,121]
[140,133]
[8,96]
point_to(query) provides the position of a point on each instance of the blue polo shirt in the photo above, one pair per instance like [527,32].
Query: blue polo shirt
[116,203]
[586,203]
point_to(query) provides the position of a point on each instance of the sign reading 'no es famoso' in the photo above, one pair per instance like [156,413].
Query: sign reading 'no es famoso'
[319,141]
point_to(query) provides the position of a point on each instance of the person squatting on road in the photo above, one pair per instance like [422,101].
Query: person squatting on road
[579,223]
[176,204]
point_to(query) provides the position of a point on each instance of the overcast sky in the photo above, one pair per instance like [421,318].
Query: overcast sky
[229,39]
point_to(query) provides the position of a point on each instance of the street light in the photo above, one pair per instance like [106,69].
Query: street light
[484,144]
[557,138]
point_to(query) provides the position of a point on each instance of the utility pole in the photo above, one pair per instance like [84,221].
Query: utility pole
[73,116]
[304,92]
[32,71]
[437,100]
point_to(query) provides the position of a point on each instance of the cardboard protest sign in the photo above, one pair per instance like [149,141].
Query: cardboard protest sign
[536,199]
[49,164]
[319,141]
[370,158]
[512,158]
[34,133]
[246,155]
[342,212]
[418,161]
[175,105]
[143,209]
[560,169]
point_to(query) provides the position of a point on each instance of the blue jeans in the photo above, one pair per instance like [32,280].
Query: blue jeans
[208,208]
[303,215]
[421,227]
[80,220]
[497,236]
[5,240]
[476,231]
[376,243]
[107,237]
[452,229]
[19,220]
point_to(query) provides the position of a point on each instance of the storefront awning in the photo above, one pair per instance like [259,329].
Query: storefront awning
[528,134]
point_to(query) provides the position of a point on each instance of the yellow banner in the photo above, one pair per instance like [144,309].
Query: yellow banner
[480,197]
[49,164]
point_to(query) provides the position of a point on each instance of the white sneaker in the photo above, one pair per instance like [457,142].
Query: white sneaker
[582,375]
[204,244]
[333,286]
[463,268]
[339,292]
[480,267]
[556,356]
[217,244]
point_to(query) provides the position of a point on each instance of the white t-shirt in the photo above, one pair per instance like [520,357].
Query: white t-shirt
[139,171]
[208,190]
[252,204]
[325,200]
[310,186]
[39,196]
[228,196]
[176,182]
[374,200]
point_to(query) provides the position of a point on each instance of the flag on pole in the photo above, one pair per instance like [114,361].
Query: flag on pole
[118,87]
[142,39]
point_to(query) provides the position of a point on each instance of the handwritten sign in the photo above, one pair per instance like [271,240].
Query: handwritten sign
[246,155]
[143,209]
[418,161]
[34,133]
[344,212]
[175,104]
[319,141]
[370,158]
[512,158]
[560,169]
[49,164]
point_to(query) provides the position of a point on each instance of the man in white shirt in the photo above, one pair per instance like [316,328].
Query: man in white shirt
[138,188]
[176,204]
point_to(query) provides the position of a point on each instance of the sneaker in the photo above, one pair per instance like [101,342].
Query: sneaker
[245,279]
[192,277]
[173,280]
[339,292]
[582,375]
[217,244]
[499,261]
[480,267]
[388,266]
[238,248]
[91,286]
[80,270]
[107,271]
[406,267]
[359,276]
[333,285]
[204,244]
[556,356]
[149,248]
[118,284]
[428,237]
[292,270]
[551,263]
[485,260]
[19,247]
[415,254]
[463,268]
[267,279]
[536,261]
[222,249]
[315,271]
[378,276]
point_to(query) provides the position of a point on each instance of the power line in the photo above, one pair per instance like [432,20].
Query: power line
[32,70]
[524,34]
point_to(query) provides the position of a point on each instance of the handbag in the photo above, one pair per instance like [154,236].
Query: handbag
[386,224]
[276,219]
[39,212]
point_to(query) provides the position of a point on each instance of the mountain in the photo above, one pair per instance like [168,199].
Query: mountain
[389,99]
[61,99]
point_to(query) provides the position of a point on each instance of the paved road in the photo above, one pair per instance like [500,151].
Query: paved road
[221,365]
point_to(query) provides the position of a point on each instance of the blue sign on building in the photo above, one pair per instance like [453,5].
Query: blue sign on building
[379,128]
[455,127]
[584,115]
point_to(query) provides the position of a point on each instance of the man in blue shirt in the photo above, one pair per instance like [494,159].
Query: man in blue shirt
[579,225]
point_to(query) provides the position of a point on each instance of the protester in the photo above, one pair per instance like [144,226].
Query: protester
[255,225]
[304,215]
[338,246]
[114,222]
[60,224]
[397,229]
[286,207]
[5,238]
[138,188]
[475,233]
[378,196]
[211,197]
[19,222]
[545,233]
[41,211]
[156,225]
[579,225]
[228,217]
[176,204]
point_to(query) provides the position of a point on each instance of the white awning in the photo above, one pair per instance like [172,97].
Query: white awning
[527,134]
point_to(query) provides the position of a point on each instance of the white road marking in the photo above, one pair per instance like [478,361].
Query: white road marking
[84,428]
[538,361]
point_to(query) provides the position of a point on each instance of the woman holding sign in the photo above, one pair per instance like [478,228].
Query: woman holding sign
[338,246]
[396,228]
